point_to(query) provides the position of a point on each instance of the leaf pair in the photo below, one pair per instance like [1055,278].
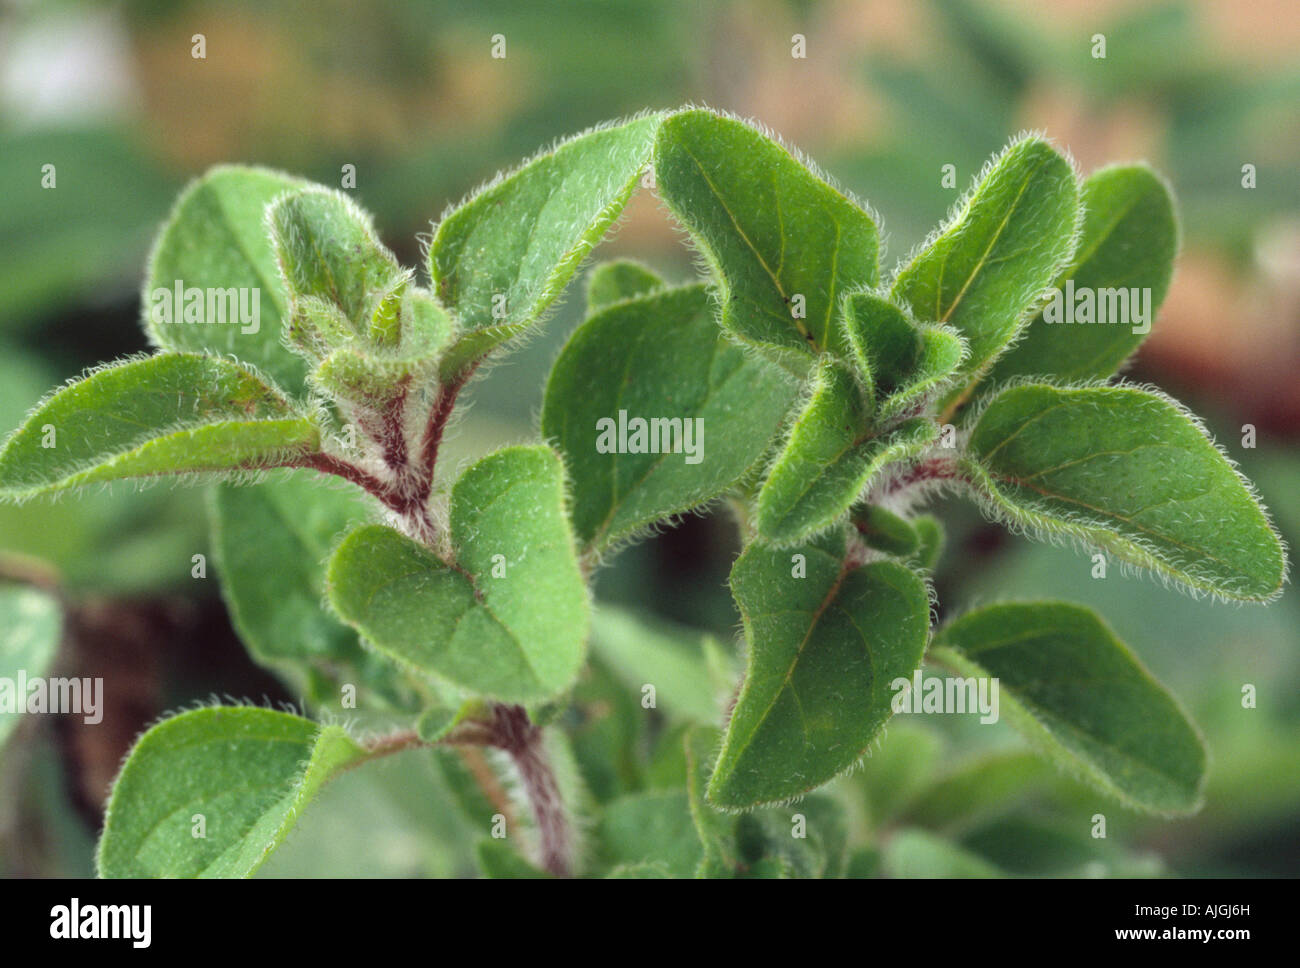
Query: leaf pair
[899,361]
[354,312]
[831,454]
[509,618]
[1062,678]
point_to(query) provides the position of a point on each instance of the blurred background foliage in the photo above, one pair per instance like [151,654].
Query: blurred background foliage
[889,92]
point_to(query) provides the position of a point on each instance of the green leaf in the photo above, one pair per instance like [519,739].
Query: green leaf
[918,854]
[885,531]
[609,727]
[612,282]
[271,542]
[902,361]
[970,793]
[657,358]
[717,830]
[1129,240]
[404,352]
[771,229]
[894,775]
[1082,698]
[175,413]
[510,620]
[770,844]
[326,247]
[823,651]
[215,239]
[247,772]
[523,237]
[830,458]
[33,624]
[1131,472]
[671,659]
[930,538]
[1010,238]
[497,859]
[654,828]
[639,872]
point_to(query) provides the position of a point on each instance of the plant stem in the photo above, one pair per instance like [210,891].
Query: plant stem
[522,740]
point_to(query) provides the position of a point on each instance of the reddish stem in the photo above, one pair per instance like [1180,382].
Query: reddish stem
[433,431]
[521,739]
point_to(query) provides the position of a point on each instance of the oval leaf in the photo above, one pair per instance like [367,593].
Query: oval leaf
[502,258]
[657,360]
[244,773]
[1083,699]
[784,243]
[1011,237]
[824,649]
[175,413]
[1131,472]
[511,620]
[1129,240]
[215,242]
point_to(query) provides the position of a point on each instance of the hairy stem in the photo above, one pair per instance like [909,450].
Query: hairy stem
[437,425]
[522,740]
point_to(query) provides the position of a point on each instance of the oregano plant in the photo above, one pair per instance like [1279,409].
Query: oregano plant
[307,378]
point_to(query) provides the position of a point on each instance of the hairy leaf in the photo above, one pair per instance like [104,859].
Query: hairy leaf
[510,620]
[326,247]
[830,457]
[1010,238]
[1083,698]
[215,242]
[901,361]
[885,531]
[612,282]
[1128,471]
[521,239]
[779,237]
[244,773]
[1129,240]
[657,361]
[824,649]
[175,413]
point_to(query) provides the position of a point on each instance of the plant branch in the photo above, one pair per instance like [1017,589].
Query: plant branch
[522,740]
[437,425]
